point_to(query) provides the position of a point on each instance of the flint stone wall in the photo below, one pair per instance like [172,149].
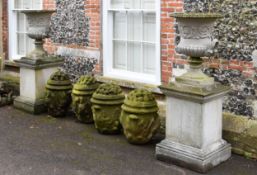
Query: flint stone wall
[78,62]
[237,31]
[70,25]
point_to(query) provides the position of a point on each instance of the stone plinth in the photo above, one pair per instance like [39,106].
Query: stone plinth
[33,78]
[194,127]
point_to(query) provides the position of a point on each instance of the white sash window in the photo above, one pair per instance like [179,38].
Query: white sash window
[131,33]
[19,42]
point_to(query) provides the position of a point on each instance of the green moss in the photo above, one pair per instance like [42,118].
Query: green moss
[241,132]
[86,80]
[49,120]
[10,79]
[141,95]
[109,89]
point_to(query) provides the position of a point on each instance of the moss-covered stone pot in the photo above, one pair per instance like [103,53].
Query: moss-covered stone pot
[106,107]
[58,94]
[139,117]
[81,95]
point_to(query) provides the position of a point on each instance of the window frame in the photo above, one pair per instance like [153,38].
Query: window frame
[108,69]
[12,25]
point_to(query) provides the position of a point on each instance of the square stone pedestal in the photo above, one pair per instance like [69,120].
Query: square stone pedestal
[33,78]
[194,127]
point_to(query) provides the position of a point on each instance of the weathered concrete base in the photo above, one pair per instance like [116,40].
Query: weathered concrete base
[29,105]
[241,132]
[33,78]
[194,127]
[199,160]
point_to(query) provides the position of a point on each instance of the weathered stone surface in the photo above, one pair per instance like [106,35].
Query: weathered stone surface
[70,25]
[58,94]
[241,133]
[139,116]
[106,107]
[236,31]
[81,95]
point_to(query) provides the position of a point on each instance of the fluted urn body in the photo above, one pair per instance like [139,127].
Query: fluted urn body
[196,41]
[38,29]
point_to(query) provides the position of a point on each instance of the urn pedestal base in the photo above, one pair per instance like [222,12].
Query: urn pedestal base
[194,127]
[33,78]
[199,160]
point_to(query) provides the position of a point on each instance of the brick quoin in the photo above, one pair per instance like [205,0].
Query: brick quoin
[167,36]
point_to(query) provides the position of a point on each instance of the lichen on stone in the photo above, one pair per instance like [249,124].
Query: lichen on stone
[59,76]
[140,95]
[109,89]
[86,80]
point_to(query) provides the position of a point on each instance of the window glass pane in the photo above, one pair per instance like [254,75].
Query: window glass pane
[119,55]
[134,57]
[117,4]
[17,4]
[149,27]
[36,4]
[149,58]
[21,44]
[148,4]
[27,4]
[119,31]
[21,23]
[132,4]
[134,26]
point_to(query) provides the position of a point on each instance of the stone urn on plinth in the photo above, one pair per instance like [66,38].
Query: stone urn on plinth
[194,102]
[37,66]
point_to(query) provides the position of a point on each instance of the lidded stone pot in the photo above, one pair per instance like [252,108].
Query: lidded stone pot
[139,116]
[106,107]
[81,95]
[58,94]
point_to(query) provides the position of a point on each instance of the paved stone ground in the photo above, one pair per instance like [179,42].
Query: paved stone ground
[40,145]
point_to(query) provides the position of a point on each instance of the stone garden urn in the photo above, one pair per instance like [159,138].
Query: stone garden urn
[37,66]
[139,117]
[38,29]
[194,102]
[81,95]
[106,107]
[196,41]
[58,94]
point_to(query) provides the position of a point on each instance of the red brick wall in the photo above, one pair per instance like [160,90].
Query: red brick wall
[49,4]
[168,35]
